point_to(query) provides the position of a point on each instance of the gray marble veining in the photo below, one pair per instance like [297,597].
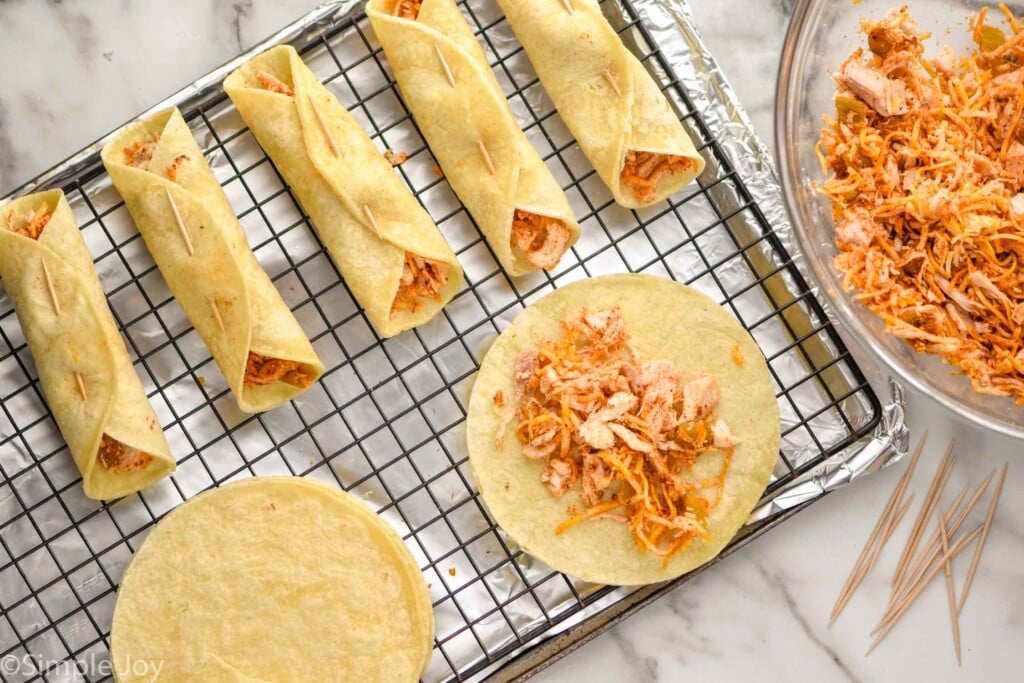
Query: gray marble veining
[759,615]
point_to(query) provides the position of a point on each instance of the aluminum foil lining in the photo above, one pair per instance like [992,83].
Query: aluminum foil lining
[386,421]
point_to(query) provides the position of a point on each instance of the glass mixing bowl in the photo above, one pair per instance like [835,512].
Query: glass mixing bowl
[821,35]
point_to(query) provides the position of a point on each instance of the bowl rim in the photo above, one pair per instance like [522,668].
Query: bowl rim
[825,280]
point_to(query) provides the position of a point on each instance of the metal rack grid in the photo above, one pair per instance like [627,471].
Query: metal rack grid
[385,422]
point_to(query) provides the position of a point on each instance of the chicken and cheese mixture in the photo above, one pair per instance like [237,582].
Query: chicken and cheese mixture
[542,240]
[120,457]
[924,166]
[422,278]
[31,224]
[625,433]
[262,370]
[406,9]
[642,171]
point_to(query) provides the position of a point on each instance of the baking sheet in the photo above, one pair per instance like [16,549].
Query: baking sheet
[386,420]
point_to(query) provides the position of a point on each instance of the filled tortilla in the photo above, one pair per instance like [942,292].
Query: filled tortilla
[272,579]
[84,370]
[620,118]
[392,256]
[200,247]
[462,112]
[622,429]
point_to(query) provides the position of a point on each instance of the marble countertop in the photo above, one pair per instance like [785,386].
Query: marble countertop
[74,69]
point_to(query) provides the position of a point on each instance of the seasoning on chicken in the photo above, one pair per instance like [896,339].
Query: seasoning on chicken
[118,457]
[172,170]
[139,153]
[924,166]
[261,370]
[541,238]
[406,9]
[626,434]
[274,84]
[642,171]
[422,278]
[395,158]
[32,224]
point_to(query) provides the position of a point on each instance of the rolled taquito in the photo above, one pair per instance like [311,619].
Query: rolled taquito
[393,258]
[620,118]
[84,370]
[200,247]
[460,109]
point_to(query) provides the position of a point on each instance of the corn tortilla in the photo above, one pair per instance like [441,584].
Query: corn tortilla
[665,320]
[272,579]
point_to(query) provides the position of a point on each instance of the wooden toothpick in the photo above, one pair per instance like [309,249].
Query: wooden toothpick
[611,81]
[56,309]
[568,6]
[323,128]
[81,386]
[372,220]
[216,313]
[931,550]
[917,588]
[934,493]
[50,288]
[487,157]
[953,614]
[884,527]
[444,65]
[984,536]
[928,555]
[181,224]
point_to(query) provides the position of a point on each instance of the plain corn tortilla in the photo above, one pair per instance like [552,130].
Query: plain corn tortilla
[272,579]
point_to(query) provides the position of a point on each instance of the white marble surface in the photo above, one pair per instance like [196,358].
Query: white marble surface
[72,70]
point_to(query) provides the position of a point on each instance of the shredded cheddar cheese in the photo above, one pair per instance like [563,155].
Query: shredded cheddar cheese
[924,166]
[626,434]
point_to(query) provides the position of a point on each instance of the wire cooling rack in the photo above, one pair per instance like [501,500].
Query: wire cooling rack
[386,421]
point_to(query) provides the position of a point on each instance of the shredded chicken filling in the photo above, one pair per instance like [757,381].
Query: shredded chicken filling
[138,154]
[119,457]
[406,9]
[274,84]
[31,224]
[261,370]
[422,278]
[924,166]
[626,434]
[644,170]
[541,238]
